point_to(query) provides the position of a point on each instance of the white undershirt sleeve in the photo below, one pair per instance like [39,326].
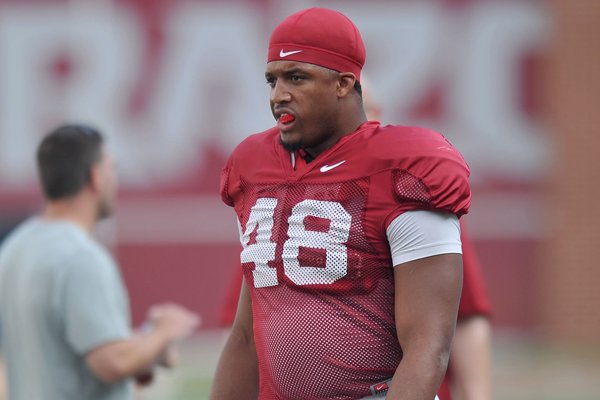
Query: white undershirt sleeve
[419,234]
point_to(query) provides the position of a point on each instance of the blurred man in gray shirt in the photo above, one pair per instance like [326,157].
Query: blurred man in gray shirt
[64,311]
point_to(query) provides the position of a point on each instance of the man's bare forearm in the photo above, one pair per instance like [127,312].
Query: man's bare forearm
[419,374]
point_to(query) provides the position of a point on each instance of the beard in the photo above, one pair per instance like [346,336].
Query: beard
[291,147]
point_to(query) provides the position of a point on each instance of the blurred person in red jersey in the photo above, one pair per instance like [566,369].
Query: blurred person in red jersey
[469,369]
[350,232]
[64,311]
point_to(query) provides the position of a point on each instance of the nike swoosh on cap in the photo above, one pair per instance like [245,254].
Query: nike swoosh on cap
[284,54]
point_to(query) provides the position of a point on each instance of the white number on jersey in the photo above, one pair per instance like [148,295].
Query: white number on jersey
[263,251]
[333,242]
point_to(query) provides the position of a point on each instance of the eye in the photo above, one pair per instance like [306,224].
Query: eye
[296,78]
[270,81]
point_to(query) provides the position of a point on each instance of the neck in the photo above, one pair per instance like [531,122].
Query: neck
[345,127]
[74,210]
[349,125]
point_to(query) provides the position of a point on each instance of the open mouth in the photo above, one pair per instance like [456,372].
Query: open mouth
[285,121]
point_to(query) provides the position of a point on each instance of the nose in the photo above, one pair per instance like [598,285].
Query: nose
[280,93]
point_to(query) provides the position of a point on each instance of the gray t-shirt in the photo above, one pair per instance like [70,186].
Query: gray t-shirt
[61,295]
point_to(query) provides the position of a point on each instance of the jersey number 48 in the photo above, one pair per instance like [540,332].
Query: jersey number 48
[263,250]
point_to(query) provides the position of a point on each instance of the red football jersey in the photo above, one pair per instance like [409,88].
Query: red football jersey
[316,257]
[474,299]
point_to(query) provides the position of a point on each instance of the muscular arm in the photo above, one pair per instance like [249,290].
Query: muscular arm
[427,294]
[237,372]
[122,359]
[471,357]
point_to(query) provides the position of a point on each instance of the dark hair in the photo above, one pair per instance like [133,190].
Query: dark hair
[358,88]
[65,157]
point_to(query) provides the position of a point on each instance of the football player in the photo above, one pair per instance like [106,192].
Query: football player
[352,254]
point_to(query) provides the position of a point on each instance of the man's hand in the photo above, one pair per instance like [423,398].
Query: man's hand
[175,321]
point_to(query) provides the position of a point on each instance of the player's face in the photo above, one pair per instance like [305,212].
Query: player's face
[107,185]
[304,102]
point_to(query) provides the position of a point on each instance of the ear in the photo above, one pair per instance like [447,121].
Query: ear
[345,84]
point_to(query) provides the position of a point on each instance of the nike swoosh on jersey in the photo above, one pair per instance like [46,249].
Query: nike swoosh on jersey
[326,168]
[284,54]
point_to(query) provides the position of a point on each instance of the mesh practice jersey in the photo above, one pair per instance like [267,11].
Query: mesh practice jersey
[315,252]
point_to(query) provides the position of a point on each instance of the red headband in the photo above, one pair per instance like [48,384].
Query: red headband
[319,36]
